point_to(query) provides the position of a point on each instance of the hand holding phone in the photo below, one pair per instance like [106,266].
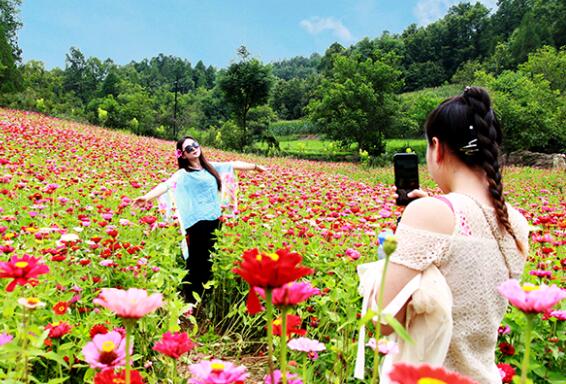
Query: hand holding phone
[406,166]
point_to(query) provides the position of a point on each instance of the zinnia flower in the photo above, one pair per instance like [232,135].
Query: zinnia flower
[291,294]
[108,376]
[21,270]
[269,270]
[559,315]
[217,372]
[507,349]
[507,372]
[531,298]
[106,351]
[61,308]
[425,374]
[174,344]
[131,304]
[293,326]
[58,329]
[31,302]
[305,344]
[277,378]
[5,338]
[97,329]
[385,346]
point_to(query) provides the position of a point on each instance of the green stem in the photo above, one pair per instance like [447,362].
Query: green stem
[283,348]
[25,345]
[377,336]
[269,315]
[526,357]
[173,373]
[129,323]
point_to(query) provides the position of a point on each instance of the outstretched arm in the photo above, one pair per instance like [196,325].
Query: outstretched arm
[244,166]
[159,190]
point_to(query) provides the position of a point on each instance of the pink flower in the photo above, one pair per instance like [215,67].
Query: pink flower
[352,254]
[559,315]
[277,376]
[22,269]
[385,346]
[217,372]
[305,344]
[531,298]
[291,293]
[131,304]
[174,344]
[106,351]
[5,338]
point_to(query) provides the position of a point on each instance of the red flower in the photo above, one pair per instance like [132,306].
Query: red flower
[507,349]
[61,308]
[98,329]
[108,376]
[408,374]
[58,329]
[507,372]
[21,270]
[293,326]
[269,270]
[174,344]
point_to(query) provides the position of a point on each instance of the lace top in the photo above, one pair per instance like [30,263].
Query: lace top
[473,266]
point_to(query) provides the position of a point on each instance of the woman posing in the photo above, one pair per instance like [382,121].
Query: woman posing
[195,189]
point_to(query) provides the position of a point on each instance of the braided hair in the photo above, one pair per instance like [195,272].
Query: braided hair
[468,126]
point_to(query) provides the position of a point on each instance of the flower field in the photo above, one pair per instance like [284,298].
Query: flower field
[68,230]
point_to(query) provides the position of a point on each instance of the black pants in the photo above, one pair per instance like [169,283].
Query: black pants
[201,240]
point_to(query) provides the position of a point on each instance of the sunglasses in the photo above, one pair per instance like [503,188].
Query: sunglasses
[189,148]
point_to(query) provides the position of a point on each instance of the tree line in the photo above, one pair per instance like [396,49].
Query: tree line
[376,88]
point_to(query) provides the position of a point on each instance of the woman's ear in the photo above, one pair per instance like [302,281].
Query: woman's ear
[437,149]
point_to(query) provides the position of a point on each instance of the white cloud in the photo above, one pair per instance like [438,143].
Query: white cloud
[428,11]
[316,25]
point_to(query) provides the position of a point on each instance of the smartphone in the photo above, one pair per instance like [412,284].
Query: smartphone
[406,166]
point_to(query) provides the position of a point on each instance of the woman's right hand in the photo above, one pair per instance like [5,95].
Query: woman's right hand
[140,202]
[414,194]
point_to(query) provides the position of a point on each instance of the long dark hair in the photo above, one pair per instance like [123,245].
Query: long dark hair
[184,163]
[467,125]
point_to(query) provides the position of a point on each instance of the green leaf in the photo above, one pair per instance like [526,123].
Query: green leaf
[58,380]
[398,328]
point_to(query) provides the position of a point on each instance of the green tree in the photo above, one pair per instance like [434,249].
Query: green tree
[289,98]
[551,64]
[356,103]
[245,84]
[10,77]
[10,24]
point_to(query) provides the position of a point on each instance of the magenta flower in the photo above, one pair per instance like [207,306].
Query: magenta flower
[106,351]
[277,378]
[131,304]
[531,298]
[5,338]
[291,293]
[22,270]
[174,344]
[217,372]
[559,315]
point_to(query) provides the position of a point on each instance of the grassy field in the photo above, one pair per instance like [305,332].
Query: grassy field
[312,145]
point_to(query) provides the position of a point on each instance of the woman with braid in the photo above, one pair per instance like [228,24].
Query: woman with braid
[475,239]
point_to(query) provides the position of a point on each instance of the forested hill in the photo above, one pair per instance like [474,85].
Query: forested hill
[516,50]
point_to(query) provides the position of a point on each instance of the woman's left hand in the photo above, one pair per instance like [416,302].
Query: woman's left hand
[260,168]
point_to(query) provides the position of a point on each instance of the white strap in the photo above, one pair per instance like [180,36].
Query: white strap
[393,308]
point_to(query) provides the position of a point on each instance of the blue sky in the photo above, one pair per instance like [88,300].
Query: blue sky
[210,30]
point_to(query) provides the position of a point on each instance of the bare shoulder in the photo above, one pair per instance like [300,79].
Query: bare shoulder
[429,214]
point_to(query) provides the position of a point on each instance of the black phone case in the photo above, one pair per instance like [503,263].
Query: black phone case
[410,176]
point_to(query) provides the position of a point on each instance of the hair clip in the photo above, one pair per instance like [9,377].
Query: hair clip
[472,146]
[467,88]
[178,153]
